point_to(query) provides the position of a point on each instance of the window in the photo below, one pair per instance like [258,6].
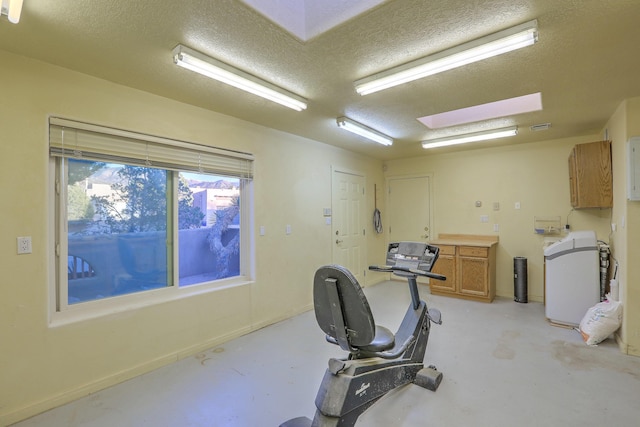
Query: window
[137,213]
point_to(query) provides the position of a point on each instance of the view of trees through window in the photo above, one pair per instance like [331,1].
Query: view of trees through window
[120,222]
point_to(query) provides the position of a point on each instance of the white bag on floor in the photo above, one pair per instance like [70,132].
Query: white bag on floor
[600,321]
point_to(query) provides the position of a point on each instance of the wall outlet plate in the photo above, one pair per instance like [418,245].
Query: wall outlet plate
[24,245]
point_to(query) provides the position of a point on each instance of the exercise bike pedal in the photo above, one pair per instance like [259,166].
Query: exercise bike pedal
[435,316]
[428,378]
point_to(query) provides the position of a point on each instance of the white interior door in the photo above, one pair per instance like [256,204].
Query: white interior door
[348,231]
[409,209]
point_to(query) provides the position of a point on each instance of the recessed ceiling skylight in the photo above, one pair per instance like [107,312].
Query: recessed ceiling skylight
[308,18]
[477,113]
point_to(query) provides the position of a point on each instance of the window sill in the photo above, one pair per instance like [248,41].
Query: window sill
[120,304]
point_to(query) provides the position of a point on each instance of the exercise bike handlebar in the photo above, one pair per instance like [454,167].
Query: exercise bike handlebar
[399,269]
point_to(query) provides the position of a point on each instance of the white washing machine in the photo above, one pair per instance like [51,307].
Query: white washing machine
[572,277]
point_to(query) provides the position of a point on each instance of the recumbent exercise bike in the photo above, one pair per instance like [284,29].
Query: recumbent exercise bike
[378,360]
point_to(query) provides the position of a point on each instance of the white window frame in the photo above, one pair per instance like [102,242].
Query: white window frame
[61,313]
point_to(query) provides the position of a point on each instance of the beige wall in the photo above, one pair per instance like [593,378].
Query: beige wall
[625,123]
[41,366]
[536,175]
[632,284]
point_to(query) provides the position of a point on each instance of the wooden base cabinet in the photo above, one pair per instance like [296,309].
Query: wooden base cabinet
[469,264]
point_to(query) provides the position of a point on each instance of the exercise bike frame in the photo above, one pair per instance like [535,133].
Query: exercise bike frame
[349,387]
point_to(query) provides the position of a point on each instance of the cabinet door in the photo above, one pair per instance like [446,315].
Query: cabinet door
[474,276]
[445,265]
[590,175]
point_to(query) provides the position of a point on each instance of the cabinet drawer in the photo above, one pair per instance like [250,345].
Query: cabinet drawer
[474,251]
[447,249]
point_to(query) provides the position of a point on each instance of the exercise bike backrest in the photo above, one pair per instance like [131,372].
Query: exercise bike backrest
[340,306]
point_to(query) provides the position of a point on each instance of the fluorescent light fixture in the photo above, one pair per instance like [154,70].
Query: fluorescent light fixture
[13,9]
[492,45]
[217,70]
[470,137]
[365,131]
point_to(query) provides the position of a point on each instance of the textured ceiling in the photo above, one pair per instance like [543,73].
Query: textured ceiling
[584,64]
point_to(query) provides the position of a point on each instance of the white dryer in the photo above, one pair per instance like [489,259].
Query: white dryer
[572,277]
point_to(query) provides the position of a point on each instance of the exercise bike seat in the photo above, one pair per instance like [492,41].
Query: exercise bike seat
[343,313]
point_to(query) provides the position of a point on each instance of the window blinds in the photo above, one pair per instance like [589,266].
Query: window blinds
[79,140]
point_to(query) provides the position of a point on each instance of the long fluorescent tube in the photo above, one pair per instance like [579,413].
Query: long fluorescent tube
[217,70]
[365,131]
[13,9]
[492,45]
[471,137]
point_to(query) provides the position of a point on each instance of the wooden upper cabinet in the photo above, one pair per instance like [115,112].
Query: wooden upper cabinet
[590,177]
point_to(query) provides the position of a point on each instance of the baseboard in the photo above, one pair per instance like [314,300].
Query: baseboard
[266,323]
[68,396]
[623,346]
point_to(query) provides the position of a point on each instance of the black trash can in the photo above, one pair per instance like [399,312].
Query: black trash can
[520,292]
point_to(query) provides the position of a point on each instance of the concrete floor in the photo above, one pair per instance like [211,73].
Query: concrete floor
[503,365]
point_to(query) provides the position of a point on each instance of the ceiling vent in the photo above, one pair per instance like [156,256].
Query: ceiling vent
[541,126]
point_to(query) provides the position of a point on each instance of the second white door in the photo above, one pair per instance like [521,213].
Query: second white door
[408,207]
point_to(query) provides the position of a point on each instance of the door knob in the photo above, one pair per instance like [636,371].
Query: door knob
[338,241]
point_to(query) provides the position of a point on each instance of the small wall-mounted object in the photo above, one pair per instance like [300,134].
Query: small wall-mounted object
[547,225]
[633,169]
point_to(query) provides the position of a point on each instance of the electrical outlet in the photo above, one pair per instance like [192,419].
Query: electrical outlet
[24,245]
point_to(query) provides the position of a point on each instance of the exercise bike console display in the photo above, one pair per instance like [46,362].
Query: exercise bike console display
[412,254]
[410,258]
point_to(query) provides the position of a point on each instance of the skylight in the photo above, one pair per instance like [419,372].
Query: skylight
[491,110]
[308,18]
